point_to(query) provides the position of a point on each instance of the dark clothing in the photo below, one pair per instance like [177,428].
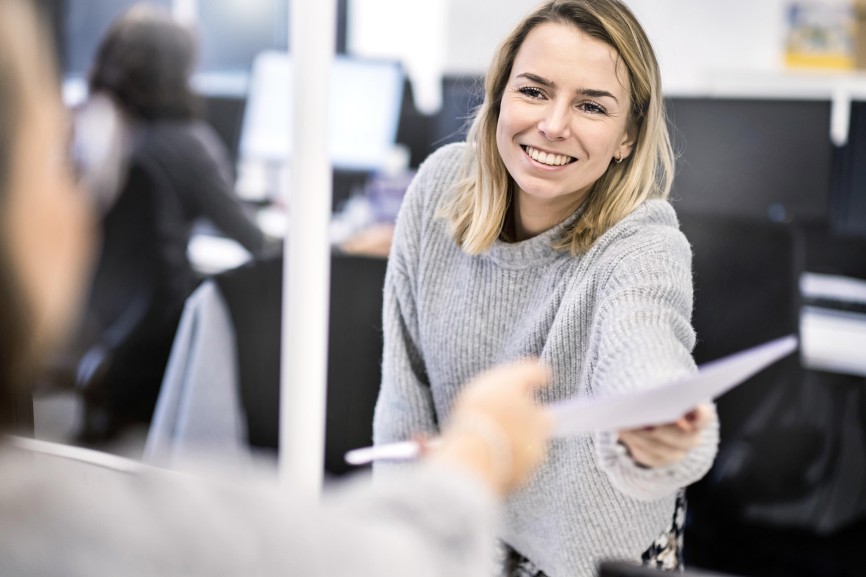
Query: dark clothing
[178,172]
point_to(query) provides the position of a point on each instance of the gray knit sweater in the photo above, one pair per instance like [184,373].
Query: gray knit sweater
[611,321]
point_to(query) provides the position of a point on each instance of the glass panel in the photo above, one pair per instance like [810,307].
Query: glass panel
[234,31]
[85,23]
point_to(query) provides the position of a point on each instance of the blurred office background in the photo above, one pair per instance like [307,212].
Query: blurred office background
[770,187]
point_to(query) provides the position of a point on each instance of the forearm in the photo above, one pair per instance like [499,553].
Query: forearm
[229,216]
[644,338]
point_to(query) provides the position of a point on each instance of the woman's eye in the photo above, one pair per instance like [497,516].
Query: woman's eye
[531,92]
[592,108]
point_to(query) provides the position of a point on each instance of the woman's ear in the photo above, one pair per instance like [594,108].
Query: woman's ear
[626,145]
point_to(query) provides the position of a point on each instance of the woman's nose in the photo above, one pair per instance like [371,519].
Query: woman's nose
[554,124]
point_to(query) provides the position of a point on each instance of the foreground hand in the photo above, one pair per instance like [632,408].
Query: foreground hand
[669,443]
[496,429]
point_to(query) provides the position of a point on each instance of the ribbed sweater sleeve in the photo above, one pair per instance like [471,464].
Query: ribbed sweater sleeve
[642,335]
[404,407]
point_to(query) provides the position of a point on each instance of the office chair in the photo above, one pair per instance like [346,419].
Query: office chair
[781,453]
[746,276]
[249,306]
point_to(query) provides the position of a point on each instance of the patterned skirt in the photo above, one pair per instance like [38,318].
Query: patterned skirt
[665,553]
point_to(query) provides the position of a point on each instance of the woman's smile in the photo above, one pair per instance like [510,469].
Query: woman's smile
[547,159]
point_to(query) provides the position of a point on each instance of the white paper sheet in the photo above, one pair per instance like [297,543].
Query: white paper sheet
[668,402]
[651,406]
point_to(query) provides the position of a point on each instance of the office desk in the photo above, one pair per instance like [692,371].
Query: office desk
[211,253]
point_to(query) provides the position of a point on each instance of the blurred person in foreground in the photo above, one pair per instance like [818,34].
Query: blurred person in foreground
[178,172]
[67,516]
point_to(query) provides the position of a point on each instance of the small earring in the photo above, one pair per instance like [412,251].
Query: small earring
[618,159]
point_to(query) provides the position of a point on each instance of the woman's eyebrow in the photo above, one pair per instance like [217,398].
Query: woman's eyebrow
[537,79]
[591,92]
[596,93]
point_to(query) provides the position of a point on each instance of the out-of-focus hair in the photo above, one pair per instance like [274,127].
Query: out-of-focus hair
[479,208]
[145,61]
[17,20]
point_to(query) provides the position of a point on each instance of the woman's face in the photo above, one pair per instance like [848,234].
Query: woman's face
[564,116]
[47,225]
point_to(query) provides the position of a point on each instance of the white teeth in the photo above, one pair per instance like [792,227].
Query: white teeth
[547,158]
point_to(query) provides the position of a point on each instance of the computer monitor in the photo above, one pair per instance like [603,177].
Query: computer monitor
[224,112]
[365,100]
[461,95]
[767,159]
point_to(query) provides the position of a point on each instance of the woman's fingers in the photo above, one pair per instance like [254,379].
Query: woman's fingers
[668,444]
[703,415]
[674,437]
[648,451]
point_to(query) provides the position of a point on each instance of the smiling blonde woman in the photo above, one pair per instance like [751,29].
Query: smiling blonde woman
[548,234]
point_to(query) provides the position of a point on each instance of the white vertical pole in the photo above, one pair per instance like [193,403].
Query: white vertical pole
[306,278]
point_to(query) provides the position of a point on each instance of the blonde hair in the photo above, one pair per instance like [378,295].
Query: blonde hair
[479,208]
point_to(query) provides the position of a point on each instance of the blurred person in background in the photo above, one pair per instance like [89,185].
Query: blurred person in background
[66,515]
[178,171]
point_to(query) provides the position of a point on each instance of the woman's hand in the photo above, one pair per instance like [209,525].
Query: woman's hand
[496,429]
[669,443]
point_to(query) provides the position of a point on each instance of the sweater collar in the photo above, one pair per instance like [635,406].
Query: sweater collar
[532,252]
